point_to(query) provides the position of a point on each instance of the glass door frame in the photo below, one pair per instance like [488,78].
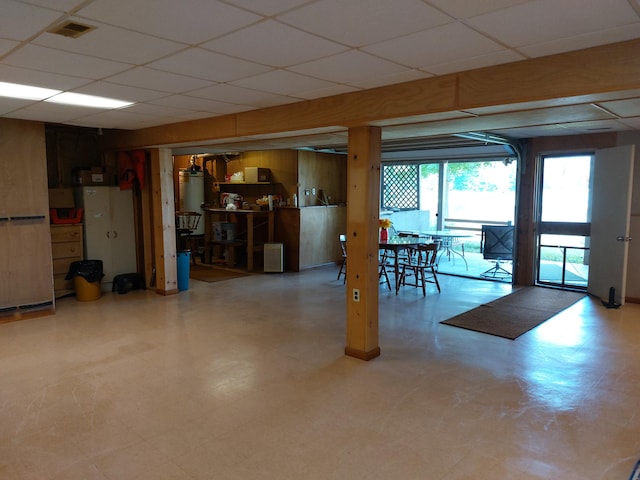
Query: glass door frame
[560,228]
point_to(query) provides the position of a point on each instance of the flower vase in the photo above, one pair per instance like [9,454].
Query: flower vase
[384,235]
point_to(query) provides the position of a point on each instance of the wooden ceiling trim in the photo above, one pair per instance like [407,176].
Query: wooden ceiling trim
[597,70]
[580,74]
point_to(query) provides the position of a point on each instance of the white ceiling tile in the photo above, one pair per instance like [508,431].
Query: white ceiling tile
[633,123]
[195,116]
[480,61]
[623,108]
[380,81]
[8,105]
[326,91]
[117,119]
[553,19]
[156,80]
[208,65]
[462,9]
[7,45]
[347,67]
[309,40]
[596,126]
[111,43]
[439,45]
[64,6]
[199,104]
[120,92]
[536,131]
[602,37]
[40,79]
[361,22]
[268,7]
[63,63]
[156,110]
[19,21]
[282,83]
[272,43]
[49,112]
[238,95]
[190,22]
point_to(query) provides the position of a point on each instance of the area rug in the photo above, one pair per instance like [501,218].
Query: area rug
[212,273]
[516,313]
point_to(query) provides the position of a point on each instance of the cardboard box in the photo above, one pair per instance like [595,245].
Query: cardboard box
[61,198]
[256,174]
[89,178]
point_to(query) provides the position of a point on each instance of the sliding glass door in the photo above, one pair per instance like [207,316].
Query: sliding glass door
[451,195]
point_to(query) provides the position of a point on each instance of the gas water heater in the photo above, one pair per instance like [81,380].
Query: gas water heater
[191,186]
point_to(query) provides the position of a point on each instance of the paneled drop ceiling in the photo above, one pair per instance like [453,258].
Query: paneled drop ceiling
[193,59]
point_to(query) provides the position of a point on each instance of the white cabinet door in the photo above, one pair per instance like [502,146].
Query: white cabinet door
[109,230]
[97,224]
[123,239]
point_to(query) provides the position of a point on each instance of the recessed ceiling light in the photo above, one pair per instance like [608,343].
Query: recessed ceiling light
[69,98]
[26,92]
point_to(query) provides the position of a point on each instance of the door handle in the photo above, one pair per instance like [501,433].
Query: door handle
[622,238]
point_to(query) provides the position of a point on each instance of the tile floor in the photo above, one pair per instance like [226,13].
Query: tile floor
[246,379]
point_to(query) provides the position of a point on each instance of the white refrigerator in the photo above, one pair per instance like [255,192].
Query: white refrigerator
[109,232]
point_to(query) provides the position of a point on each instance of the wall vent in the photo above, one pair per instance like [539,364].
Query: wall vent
[71,29]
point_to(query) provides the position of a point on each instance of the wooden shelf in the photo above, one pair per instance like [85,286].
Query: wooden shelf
[245,183]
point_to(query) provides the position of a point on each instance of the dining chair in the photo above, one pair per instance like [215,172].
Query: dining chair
[186,224]
[422,267]
[383,262]
[343,266]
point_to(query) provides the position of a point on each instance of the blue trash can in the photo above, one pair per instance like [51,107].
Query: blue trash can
[184,262]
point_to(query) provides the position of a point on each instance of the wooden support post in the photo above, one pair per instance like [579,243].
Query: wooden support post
[363,205]
[164,220]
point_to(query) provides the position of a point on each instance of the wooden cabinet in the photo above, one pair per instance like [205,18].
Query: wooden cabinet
[26,282]
[66,248]
[310,235]
[252,229]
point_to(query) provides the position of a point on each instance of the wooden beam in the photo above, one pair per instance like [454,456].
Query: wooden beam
[577,75]
[164,228]
[363,193]
[606,68]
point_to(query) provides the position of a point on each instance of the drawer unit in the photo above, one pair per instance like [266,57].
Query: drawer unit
[66,248]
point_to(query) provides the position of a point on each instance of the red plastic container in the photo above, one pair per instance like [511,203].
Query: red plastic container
[61,216]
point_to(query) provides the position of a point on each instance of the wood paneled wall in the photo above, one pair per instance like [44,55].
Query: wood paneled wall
[319,230]
[324,172]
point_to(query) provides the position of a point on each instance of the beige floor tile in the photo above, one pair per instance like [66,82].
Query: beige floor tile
[247,379]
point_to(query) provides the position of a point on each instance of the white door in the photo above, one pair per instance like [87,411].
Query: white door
[610,222]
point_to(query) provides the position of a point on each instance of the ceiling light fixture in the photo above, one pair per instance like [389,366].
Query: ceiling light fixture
[82,100]
[25,92]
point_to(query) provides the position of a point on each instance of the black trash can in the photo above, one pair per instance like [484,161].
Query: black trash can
[86,275]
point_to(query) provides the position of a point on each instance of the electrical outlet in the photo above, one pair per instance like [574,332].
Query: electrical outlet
[313,191]
[356,294]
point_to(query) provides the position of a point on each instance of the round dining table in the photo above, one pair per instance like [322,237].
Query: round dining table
[446,239]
